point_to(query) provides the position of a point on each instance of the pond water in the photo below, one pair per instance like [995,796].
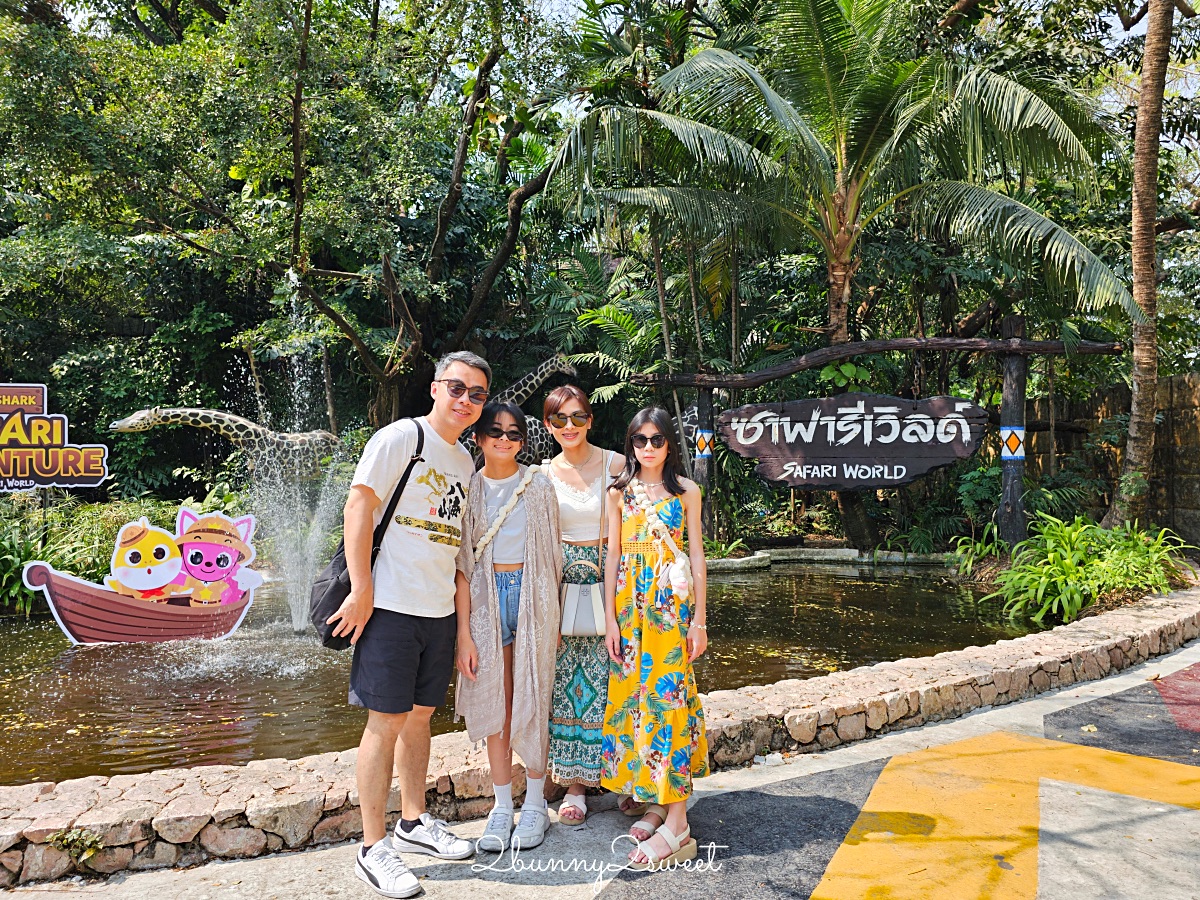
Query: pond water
[266,692]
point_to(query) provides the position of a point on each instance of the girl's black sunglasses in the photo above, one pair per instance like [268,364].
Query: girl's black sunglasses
[496,433]
[655,440]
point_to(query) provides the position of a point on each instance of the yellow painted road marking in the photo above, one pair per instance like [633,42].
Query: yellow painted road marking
[961,820]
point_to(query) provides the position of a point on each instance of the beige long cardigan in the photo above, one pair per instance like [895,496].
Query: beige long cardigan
[481,702]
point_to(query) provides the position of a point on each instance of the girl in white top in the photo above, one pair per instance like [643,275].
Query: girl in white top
[581,474]
[508,621]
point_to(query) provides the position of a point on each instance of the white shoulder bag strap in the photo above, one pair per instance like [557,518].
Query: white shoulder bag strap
[494,529]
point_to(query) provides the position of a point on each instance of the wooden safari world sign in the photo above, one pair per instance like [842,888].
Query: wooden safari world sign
[853,441]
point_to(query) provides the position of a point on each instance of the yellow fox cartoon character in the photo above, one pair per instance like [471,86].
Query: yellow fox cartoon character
[145,561]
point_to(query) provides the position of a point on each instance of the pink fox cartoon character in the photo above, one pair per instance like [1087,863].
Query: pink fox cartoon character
[215,548]
[146,563]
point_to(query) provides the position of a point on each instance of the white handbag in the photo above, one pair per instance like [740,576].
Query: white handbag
[583,604]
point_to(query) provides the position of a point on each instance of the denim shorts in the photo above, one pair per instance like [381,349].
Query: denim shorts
[508,591]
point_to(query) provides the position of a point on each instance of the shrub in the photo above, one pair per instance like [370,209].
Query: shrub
[1066,566]
[969,551]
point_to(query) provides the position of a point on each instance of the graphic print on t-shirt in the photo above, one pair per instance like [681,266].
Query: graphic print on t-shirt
[445,496]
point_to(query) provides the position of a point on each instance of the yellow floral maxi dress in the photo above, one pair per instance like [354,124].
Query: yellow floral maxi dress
[654,741]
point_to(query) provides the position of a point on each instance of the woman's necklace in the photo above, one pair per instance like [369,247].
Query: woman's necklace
[583,465]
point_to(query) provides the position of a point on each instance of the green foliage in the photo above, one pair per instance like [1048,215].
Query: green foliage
[969,550]
[81,843]
[715,549]
[846,376]
[979,492]
[1066,566]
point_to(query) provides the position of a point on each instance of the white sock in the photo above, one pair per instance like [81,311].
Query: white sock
[503,795]
[535,789]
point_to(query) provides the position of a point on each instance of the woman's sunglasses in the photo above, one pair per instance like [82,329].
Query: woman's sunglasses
[456,389]
[558,420]
[654,440]
[496,433]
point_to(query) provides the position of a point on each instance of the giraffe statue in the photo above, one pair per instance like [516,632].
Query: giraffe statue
[540,444]
[522,389]
[300,451]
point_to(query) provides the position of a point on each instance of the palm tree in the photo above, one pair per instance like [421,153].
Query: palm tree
[1129,498]
[838,125]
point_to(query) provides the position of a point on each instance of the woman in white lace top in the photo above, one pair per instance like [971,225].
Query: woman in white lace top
[580,474]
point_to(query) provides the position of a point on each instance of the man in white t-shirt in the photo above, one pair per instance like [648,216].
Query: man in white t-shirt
[401,617]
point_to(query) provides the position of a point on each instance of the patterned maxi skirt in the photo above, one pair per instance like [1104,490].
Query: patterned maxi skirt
[580,690]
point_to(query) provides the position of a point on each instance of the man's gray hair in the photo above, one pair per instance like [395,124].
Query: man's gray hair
[474,360]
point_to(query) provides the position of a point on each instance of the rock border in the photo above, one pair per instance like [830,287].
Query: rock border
[760,560]
[183,817]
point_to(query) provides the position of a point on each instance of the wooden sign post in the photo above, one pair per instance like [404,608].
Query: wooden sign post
[853,442]
[1012,525]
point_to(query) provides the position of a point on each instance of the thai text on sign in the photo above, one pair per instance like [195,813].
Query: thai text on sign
[35,449]
[853,441]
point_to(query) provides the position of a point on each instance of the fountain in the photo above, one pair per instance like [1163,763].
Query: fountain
[297,516]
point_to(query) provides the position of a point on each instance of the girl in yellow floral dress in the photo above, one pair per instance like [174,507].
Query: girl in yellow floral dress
[654,741]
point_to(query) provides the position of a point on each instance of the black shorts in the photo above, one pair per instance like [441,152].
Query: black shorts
[402,661]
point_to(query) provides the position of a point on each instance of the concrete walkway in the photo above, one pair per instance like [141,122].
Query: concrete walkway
[1092,791]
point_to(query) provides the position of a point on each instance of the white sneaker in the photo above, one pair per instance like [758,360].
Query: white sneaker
[432,838]
[384,871]
[499,829]
[531,829]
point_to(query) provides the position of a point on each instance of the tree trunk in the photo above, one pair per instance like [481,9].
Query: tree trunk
[327,375]
[1132,489]
[841,275]
[385,405]
[298,136]
[661,284]
[860,530]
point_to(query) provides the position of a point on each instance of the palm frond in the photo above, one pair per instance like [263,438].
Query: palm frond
[1013,230]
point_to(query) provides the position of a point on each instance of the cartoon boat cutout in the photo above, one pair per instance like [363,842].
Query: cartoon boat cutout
[90,614]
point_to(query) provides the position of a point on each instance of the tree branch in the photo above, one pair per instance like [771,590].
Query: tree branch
[365,353]
[957,13]
[1180,221]
[483,287]
[147,32]
[395,293]
[215,10]
[1128,20]
[437,250]
[502,151]
[972,323]
[826,355]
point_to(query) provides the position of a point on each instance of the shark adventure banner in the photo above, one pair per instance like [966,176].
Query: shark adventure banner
[35,450]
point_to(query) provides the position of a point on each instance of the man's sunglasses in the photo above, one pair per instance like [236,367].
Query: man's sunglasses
[654,440]
[558,420]
[496,433]
[456,389]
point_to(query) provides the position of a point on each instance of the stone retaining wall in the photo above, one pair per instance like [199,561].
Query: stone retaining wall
[181,817]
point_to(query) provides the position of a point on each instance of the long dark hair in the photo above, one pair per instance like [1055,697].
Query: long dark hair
[660,419]
[492,411]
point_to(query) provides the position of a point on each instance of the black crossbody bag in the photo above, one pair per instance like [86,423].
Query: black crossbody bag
[332,586]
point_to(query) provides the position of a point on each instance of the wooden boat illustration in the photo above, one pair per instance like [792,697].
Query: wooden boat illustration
[90,614]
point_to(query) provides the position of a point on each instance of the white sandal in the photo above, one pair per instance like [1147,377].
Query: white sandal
[683,848]
[574,801]
[645,824]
